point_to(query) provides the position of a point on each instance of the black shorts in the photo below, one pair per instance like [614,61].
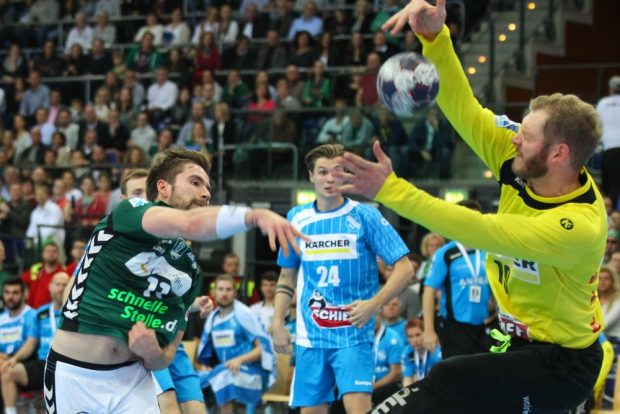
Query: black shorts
[532,377]
[35,369]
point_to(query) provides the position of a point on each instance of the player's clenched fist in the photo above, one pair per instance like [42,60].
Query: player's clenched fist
[143,342]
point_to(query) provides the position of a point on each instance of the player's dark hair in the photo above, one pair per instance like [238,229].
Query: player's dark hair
[16,281]
[329,151]
[269,276]
[132,175]
[571,121]
[169,164]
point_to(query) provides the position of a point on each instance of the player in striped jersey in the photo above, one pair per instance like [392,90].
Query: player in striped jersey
[336,277]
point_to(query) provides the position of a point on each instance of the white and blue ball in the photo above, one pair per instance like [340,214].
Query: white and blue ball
[407,82]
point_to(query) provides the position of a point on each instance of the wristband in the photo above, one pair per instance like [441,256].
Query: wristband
[230,220]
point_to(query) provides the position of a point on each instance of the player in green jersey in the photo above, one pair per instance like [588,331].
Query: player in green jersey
[126,311]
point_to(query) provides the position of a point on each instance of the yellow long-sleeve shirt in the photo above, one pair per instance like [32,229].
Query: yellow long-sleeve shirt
[543,253]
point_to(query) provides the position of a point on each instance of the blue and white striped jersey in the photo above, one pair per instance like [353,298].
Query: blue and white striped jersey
[14,329]
[336,268]
[44,328]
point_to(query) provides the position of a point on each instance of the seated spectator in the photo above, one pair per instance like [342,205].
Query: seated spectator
[356,51]
[33,155]
[262,105]
[75,61]
[410,43]
[328,53]
[4,273]
[271,54]
[131,82]
[254,24]
[49,64]
[259,5]
[164,142]
[417,359]
[16,319]
[55,106]
[339,24]
[60,147]
[144,57]
[23,140]
[277,128]
[382,47]
[430,146]
[104,30]
[153,27]
[308,22]
[208,78]
[284,99]
[388,369]
[197,115]
[99,61]
[265,309]
[59,196]
[303,51]
[236,93]
[104,188]
[332,130]
[210,24]
[119,133]
[228,29]
[252,352]
[241,57]
[135,157]
[111,7]
[357,134]
[38,277]
[224,132]
[14,65]
[46,220]
[68,128]
[90,209]
[36,96]
[81,34]
[22,371]
[206,56]
[91,123]
[179,64]
[176,33]
[317,89]
[143,135]
[198,139]
[118,63]
[295,82]
[102,103]
[182,108]
[15,217]
[366,96]
[77,251]
[128,111]
[46,128]
[362,17]
[8,146]
[391,134]
[161,96]
[284,17]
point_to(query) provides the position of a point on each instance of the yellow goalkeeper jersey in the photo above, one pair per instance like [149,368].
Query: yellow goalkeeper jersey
[543,253]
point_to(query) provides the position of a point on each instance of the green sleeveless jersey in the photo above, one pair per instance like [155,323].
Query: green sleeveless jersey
[128,275]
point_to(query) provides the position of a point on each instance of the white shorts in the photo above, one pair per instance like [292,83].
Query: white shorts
[72,386]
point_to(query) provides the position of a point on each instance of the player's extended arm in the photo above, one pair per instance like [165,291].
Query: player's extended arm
[428,305]
[143,342]
[284,295]
[363,310]
[542,238]
[209,223]
[393,376]
[254,355]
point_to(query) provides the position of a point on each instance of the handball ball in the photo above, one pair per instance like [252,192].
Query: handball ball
[407,82]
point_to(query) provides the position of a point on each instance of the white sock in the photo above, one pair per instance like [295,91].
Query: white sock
[10,410]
